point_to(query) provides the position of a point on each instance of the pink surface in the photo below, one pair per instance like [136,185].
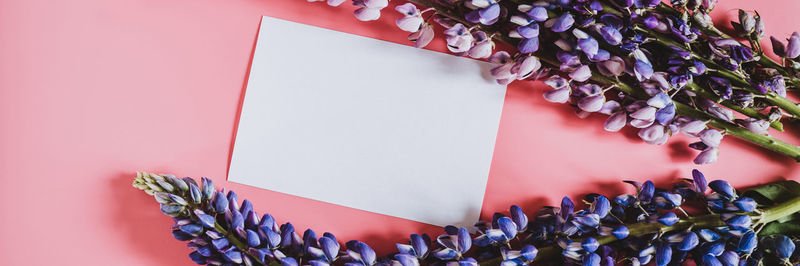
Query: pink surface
[92,91]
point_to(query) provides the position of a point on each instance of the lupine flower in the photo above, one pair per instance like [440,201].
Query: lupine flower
[793,47]
[330,2]
[459,38]
[423,36]
[487,12]
[369,10]
[232,234]
[631,43]
[412,18]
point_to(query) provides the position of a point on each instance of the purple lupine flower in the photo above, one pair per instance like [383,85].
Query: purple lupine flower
[526,66]
[611,35]
[711,137]
[562,23]
[612,67]
[369,10]
[777,46]
[581,73]
[723,188]
[755,125]
[423,36]
[417,247]
[643,70]
[561,90]
[487,13]
[616,121]
[586,43]
[361,253]
[538,14]
[528,45]
[707,156]
[412,18]
[592,103]
[793,46]
[459,38]
[482,46]
[655,134]
[503,65]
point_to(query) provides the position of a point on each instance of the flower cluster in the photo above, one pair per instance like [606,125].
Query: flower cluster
[661,68]
[649,225]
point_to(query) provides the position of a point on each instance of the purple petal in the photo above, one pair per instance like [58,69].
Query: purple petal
[422,37]
[489,14]
[793,47]
[592,103]
[407,9]
[581,74]
[707,156]
[528,45]
[529,31]
[563,23]
[616,121]
[367,14]
[410,24]
[538,14]
[558,95]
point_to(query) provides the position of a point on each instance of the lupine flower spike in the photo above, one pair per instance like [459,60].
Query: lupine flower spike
[660,68]
[720,226]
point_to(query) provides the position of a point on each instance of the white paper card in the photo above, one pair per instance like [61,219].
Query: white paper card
[367,124]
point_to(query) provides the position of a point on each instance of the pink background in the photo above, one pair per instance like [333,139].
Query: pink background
[92,91]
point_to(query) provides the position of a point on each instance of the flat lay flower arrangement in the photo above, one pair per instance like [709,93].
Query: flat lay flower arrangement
[663,69]
[666,226]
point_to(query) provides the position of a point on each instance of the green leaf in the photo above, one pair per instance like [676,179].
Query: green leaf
[776,228]
[773,193]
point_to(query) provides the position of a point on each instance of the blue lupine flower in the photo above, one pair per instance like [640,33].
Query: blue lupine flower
[591,259]
[708,235]
[745,204]
[747,243]
[590,244]
[600,206]
[262,241]
[689,242]
[360,253]
[710,260]
[663,254]
[723,188]
[668,218]
[455,244]
[700,184]
[646,192]
[417,247]
[782,246]
[519,218]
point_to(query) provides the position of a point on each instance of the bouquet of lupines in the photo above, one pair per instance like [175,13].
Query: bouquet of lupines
[660,68]
[666,226]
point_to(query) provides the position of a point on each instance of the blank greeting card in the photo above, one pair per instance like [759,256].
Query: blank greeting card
[367,124]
